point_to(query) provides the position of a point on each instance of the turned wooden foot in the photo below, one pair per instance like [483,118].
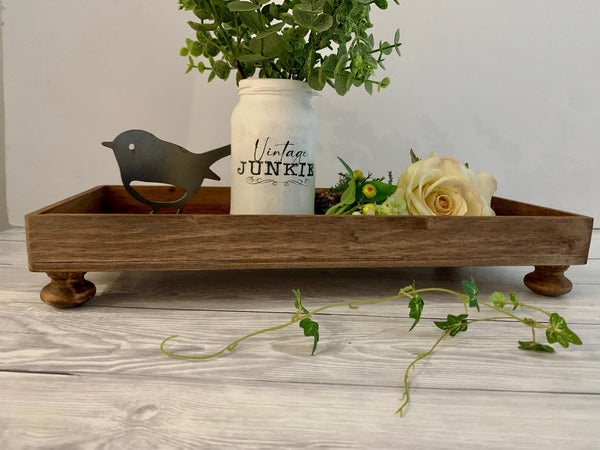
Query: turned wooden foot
[548,280]
[67,289]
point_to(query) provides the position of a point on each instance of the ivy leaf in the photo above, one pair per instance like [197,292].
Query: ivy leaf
[471,290]
[535,346]
[513,300]
[498,299]
[416,307]
[298,303]
[560,332]
[455,324]
[311,329]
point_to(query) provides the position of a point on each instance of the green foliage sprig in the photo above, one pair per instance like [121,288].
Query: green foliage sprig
[359,192]
[323,42]
[556,328]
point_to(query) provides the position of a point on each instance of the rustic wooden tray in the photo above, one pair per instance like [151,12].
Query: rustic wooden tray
[104,229]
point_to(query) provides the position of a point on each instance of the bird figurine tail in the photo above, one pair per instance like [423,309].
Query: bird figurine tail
[213,156]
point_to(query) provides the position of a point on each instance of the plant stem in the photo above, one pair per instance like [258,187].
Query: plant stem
[513,316]
[406,395]
[230,347]
[296,318]
[463,297]
[535,308]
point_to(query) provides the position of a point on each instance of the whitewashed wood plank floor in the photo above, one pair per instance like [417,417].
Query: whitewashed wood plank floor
[94,377]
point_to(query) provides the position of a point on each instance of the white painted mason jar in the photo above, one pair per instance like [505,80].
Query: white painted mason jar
[273,148]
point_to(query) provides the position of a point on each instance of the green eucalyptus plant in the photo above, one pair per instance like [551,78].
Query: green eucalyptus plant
[322,42]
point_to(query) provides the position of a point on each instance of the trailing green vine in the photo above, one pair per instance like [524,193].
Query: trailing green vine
[555,328]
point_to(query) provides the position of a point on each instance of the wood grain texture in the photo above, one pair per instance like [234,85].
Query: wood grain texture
[70,238]
[94,377]
[356,350]
[170,413]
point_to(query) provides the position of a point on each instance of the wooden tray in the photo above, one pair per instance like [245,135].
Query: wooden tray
[104,229]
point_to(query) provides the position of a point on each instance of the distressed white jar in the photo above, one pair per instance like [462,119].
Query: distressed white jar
[273,148]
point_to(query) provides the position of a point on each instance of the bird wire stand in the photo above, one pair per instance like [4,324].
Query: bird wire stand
[141,156]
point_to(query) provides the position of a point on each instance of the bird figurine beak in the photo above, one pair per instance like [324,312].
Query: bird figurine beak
[108,144]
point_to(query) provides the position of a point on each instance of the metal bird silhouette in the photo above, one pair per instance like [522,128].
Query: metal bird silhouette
[144,157]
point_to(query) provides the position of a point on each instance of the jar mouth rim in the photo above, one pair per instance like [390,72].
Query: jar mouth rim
[275,86]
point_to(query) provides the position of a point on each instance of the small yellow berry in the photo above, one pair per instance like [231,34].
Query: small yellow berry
[369,190]
[358,174]
[369,209]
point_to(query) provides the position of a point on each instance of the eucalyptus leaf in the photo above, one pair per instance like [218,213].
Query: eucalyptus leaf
[321,42]
[343,83]
[385,48]
[302,17]
[195,49]
[340,66]
[270,30]
[313,6]
[222,69]
[317,79]
[322,22]
[237,6]
[330,63]
[251,20]
[253,58]
[204,26]
[397,42]
[274,45]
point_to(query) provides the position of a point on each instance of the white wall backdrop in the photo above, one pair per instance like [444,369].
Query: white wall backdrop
[511,86]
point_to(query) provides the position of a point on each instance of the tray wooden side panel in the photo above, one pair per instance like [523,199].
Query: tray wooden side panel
[104,229]
[113,242]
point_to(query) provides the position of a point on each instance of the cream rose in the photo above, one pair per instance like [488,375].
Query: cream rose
[442,186]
